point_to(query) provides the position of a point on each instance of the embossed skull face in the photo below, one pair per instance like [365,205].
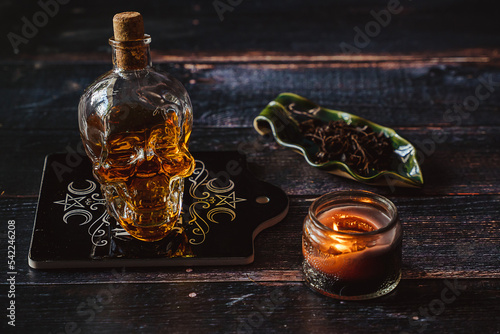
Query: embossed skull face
[140,157]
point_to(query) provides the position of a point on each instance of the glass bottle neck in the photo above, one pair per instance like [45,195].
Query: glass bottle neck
[131,55]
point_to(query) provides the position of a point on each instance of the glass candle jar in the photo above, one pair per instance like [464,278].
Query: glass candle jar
[351,244]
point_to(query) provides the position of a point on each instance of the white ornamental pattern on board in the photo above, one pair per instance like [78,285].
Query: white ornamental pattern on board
[209,197]
[81,206]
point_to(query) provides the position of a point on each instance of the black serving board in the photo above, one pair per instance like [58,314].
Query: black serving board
[224,208]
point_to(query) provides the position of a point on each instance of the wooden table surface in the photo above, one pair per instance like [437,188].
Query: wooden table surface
[430,71]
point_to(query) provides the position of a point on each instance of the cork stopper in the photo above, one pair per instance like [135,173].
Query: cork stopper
[128,26]
[130,44]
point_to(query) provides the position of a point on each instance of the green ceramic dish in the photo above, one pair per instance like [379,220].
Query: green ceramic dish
[278,118]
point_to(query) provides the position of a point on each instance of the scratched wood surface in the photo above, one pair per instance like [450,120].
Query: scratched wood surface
[415,77]
[81,28]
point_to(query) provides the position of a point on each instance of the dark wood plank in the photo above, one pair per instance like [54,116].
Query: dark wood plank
[430,57]
[455,236]
[466,162]
[45,96]
[190,307]
[314,26]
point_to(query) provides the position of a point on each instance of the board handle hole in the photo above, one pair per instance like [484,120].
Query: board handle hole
[262,199]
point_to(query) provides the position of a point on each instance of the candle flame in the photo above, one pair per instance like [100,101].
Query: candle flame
[342,248]
[335,228]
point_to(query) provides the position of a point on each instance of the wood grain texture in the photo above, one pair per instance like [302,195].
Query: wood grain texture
[191,307]
[465,160]
[414,76]
[313,26]
[231,95]
[461,233]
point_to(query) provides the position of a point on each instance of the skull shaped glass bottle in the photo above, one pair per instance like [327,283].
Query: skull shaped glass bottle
[135,124]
